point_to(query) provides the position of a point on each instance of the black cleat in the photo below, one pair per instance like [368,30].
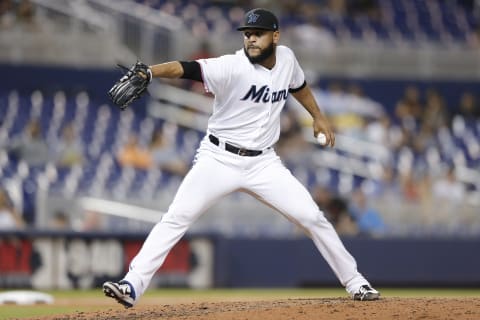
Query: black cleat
[122,292]
[366,293]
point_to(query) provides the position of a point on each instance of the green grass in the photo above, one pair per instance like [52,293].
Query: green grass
[19,312]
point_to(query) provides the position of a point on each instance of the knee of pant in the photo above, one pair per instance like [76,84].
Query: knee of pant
[179,217]
[311,219]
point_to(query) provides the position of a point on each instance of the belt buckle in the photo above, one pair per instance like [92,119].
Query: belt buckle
[242,152]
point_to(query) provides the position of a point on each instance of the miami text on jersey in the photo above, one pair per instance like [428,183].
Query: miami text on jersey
[264,94]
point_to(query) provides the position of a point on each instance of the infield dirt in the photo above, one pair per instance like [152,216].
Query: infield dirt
[292,309]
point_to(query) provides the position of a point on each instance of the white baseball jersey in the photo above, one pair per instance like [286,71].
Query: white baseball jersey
[249,97]
[248,102]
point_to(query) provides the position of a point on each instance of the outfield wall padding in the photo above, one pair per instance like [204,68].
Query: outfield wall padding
[385,262]
[59,260]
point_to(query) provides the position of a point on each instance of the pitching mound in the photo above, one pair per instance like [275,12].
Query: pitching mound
[298,309]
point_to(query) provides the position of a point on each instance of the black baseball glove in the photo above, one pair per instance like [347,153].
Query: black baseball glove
[131,86]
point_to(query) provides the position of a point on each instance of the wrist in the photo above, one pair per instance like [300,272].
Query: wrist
[149,74]
[318,116]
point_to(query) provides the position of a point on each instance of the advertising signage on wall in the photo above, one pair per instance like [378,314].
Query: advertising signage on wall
[67,261]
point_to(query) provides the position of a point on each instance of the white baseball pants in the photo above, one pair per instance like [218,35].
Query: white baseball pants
[216,173]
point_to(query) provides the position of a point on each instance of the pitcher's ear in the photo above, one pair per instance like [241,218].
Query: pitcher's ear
[276,36]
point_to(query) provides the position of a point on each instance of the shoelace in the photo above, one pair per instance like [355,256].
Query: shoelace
[365,289]
[125,289]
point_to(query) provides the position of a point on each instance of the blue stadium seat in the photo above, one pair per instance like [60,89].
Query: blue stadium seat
[445,14]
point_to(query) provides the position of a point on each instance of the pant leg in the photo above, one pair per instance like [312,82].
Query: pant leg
[206,182]
[276,186]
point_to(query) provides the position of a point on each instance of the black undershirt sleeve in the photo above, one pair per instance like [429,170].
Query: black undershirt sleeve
[293,90]
[191,70]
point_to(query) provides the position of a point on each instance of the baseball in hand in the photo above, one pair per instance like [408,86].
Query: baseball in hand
[322,139]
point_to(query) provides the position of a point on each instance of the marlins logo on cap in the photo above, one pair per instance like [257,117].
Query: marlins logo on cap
[260,19]
[252,18]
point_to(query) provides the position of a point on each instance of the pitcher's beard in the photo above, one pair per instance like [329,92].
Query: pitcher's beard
[264,54]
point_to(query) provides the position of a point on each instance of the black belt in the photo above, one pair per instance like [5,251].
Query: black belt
[231,148]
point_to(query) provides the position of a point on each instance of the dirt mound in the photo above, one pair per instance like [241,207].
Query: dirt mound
[298,309]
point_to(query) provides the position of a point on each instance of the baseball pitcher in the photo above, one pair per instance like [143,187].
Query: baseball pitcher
[250,89]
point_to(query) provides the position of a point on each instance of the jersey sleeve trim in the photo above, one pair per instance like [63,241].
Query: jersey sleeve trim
[293,90]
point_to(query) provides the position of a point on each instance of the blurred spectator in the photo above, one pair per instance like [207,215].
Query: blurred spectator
[468,108]
[70,148]
[449,188]
[164,154]
[409,186]
[30,146]
[204,51]
[6,14]
[292,146]
[368,8]
[473,38]
[360,103]
[347,109]
[337,7]
[435,115]
[386,187]
[405,138]
[368,219]
[408,110]
[10,219]
[423,183]
[312,35]
[416,189]
[60,221]
[133,155]
[336,211]
[26,13]
[423,139]
[449,195]
[378,131]
[289,124]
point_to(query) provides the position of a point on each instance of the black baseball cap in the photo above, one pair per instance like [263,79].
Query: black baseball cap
[260,19]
